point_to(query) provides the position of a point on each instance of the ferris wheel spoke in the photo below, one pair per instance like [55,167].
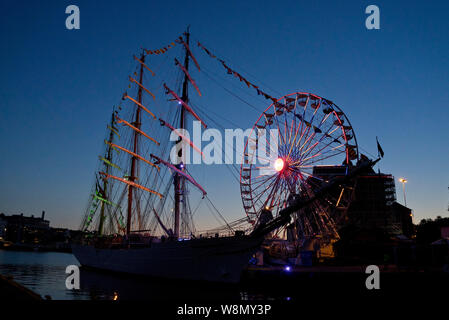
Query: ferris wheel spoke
[303,119]
[325,117]
[311,120]
[303,131]
[296,134]
[282,199]
[308,152]
[268,141]
[309,174]
[332,149]
[273,194]
[317,161]
[335,129]
[297,127]
[294,117]
[262,175]
[325,158]
[311,139]
[321,141]
[275,199]
[270,187]
[268,160]
[262,183]
[311,157]
[291,131]
[309,125]
[308,139]
[285,125]
[275,142]
[295,143]
[278,126]
[257,156]
[302,159]
[313,115]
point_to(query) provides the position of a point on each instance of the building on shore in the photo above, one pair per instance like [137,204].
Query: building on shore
[368,223]
[22,232]
[3,224]
[373,204]
[22,229]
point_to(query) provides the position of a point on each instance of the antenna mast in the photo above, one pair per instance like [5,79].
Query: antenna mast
[179,181]
[134,163]
[105,183]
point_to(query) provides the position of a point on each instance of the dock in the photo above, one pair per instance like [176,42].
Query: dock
[350,279]
[11,290]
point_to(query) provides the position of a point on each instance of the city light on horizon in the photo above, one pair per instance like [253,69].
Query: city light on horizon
[403,181]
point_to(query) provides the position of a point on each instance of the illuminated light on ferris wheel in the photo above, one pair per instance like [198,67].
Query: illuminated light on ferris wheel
[279,164]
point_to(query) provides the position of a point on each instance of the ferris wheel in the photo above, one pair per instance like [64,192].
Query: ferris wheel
[296,145]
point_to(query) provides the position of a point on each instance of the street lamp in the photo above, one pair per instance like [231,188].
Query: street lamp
[403,181]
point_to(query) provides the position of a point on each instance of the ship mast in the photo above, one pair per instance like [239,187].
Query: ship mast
[105,183]
[133,170]
[179,181]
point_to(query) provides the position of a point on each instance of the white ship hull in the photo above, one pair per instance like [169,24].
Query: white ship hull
[212,259]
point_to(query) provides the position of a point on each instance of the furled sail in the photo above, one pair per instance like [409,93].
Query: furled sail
[134,155]
[190,54]
[130,183]
[184,104]
[141,62]
[140,85]
[188,75]
[185,175]
[183,137]
[135,129]
[125,96]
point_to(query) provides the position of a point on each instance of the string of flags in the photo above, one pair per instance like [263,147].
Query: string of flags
[237,75]
[166,48]
[205,49]
[188,75]
[190,53]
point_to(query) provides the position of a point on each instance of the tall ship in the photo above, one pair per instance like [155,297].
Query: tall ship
[139,219]
[141,209]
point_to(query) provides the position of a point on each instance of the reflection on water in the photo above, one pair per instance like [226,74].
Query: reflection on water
[44,273]
[105,286]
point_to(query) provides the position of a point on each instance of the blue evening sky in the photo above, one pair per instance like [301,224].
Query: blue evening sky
[58,85]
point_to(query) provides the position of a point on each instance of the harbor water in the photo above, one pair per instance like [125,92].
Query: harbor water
[42,272]
[45,274]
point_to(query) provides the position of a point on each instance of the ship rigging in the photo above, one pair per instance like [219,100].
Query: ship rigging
[141,199]
[140,189]
[131,192]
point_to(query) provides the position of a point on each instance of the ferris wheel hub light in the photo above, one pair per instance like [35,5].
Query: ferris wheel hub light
[279,164]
